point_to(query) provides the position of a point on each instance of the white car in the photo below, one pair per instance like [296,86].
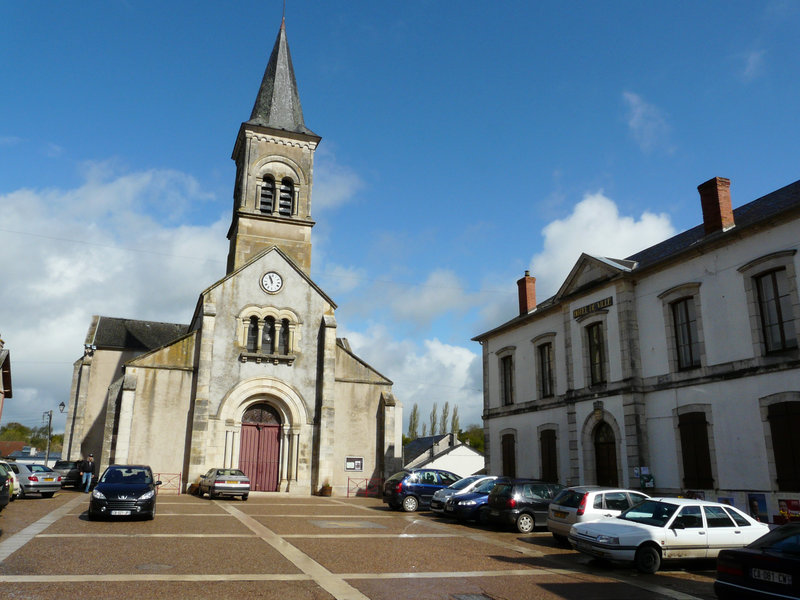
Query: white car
[584,503]
[15,480]
[462,486]
[666,528]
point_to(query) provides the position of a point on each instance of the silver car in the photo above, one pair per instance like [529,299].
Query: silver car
[37,479]
[584,503]
[462,486]
[224,482]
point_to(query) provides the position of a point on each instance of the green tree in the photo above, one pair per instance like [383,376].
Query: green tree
[15,432]
[424,430]
[445,417]
[473,435]
[454,424]
[413,422]
[434,418]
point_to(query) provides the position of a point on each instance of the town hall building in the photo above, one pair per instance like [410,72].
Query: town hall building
[258,379]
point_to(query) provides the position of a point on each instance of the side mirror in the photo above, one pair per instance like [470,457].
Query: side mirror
[157,483]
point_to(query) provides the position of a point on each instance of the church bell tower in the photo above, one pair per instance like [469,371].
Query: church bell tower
[274,155]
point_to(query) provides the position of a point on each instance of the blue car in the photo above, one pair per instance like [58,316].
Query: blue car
[472,506]
[411,489]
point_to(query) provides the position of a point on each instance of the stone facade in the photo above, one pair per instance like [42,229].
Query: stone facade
[677,385]
[258,378]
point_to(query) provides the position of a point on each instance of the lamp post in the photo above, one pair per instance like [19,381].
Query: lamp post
[49,415]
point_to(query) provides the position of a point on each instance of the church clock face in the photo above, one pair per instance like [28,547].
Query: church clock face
[271,282]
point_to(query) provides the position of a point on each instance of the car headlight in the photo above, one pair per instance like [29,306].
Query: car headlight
[607,539]
[468,503]
[98,494]
[147,495]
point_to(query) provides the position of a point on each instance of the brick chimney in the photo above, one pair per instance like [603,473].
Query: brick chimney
[715,198]
[527,293]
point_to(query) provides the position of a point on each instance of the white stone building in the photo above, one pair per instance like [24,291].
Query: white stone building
[257,379]
[679,363]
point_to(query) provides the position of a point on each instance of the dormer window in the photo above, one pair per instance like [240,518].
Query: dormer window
[267,204]
[286,205]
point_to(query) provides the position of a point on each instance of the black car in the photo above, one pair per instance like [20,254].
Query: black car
[124,491]
[411,489]
[70,472]
[521,502]
[767,568]
[5,488]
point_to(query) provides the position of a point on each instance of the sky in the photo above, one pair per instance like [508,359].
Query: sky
[462,144]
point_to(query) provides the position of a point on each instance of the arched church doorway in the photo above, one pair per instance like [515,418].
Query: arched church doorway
[605,455]
[260,451]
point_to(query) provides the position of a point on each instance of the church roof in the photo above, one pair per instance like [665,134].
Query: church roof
[132,334]
[278,102]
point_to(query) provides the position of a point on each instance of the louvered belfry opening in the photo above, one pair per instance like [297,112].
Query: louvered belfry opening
[286,205]
[267,204]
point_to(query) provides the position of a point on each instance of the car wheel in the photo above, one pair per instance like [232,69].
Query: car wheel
[410,504]
[199,492]
[525,523]
[647,559]
[560,539]
[152,514]
[21,492]
[47,494]
[211,494]
[244,497]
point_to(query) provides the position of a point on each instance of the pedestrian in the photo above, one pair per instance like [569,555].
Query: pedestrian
[88,468]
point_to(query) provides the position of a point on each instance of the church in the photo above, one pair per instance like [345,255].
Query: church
[258,379]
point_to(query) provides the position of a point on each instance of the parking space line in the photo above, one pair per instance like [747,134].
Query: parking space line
[146,535]
[333,584]
[19,539]
[155,577]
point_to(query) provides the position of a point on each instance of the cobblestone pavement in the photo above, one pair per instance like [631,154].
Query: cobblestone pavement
[288,547]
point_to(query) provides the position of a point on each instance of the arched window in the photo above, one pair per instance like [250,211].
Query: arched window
[283,344]
[262,414]
[252,334]
[267,204]
[268,336]
[286,205]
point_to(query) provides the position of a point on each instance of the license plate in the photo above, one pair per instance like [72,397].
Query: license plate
[448,507]
[120,513]
[772,576]
[559,514]
[48,478]
[231,483]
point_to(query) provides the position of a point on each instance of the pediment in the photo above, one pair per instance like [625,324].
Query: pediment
[592,270]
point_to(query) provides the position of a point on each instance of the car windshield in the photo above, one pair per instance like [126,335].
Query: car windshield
[397,476]
[230,473]
[650,512]
[462,483]
[569,498]
[485,487]
[64,464]
[779,540]
[40,469]
[127,475]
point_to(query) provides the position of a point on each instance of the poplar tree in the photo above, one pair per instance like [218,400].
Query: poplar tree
[434,418]
[445,417]
[454,424]
[413,422]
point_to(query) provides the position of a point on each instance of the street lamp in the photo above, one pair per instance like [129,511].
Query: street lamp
[61,407]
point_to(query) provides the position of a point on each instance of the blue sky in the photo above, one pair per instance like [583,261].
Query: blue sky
[463,142]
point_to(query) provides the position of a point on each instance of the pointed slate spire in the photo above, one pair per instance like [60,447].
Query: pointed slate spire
[278,102]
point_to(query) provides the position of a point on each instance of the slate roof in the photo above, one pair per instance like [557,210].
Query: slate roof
[278,102]
[131,334]
[416,447]
[783,201]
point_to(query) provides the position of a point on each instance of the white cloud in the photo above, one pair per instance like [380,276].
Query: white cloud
[334,184]
[95,249]
[589,229]
[647,123]
[425,373]
[440,293]
[753,64]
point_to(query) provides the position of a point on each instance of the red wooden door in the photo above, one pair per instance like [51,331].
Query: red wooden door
[259,455]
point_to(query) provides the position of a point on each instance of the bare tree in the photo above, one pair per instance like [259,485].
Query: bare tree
[445,417]
[434,418]
[413,422]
